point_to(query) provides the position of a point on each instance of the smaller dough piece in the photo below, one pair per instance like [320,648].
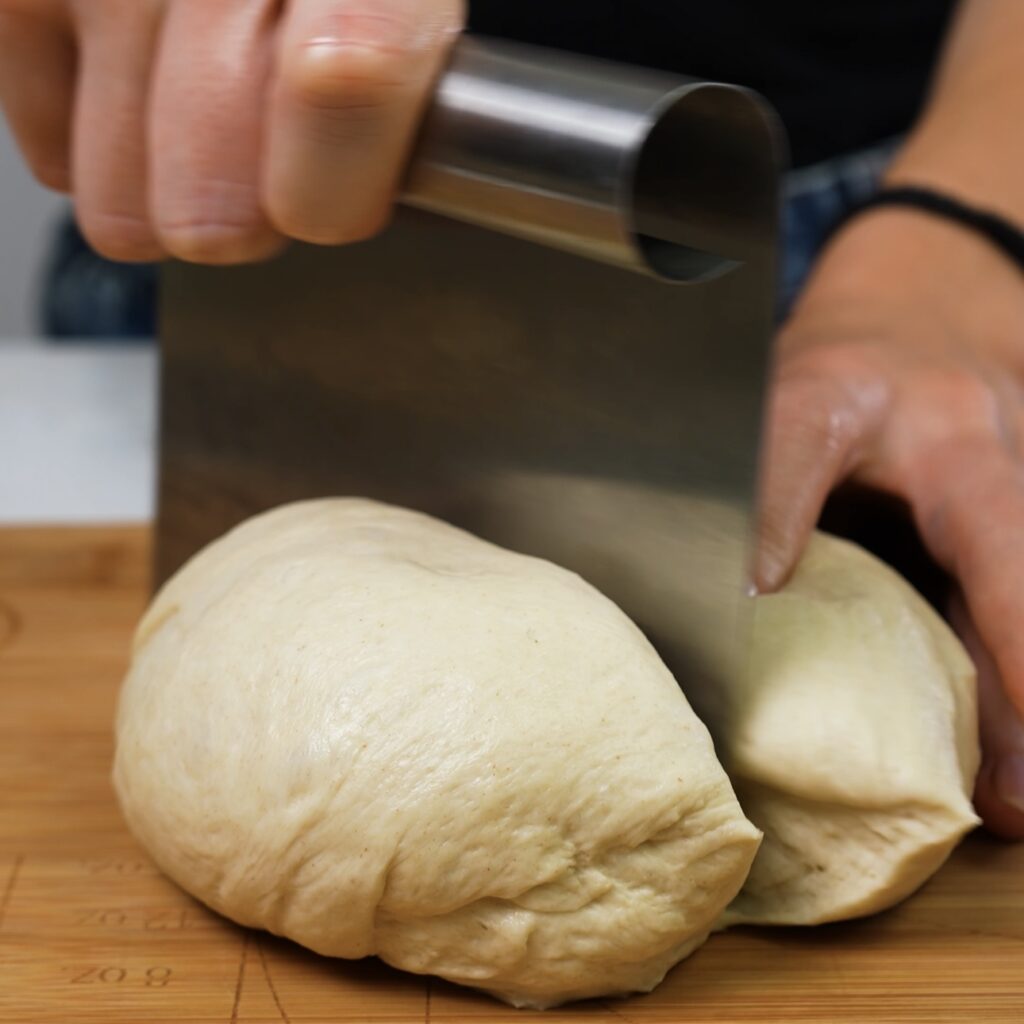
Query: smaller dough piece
[853,744]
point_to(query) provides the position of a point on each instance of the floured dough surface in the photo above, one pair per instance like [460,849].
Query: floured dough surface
[852,744]
[368,731]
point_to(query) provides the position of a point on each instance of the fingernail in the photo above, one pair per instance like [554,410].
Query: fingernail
[769,573]
[1009,780]
[376,31]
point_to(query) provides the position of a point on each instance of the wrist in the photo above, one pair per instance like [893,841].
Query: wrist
[956,163]
[902,251]
[1000,233]
[890,263]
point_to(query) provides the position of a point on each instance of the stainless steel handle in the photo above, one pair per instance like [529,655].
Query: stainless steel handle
[662,174]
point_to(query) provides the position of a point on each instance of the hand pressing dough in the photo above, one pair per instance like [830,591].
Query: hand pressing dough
[853,743]
[370,732]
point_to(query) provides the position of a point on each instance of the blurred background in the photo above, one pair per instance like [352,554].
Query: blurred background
[27,213]
[77,415]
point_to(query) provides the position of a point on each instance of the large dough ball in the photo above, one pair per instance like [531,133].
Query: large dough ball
[370,732]
[852,744]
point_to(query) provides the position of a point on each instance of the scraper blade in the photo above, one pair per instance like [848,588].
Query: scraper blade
[560,344]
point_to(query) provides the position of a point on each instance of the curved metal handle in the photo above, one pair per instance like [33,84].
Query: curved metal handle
[666,175]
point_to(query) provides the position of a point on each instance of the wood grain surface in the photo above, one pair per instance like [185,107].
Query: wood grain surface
[90,931]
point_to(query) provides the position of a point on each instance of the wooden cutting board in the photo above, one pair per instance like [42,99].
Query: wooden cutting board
[90,931]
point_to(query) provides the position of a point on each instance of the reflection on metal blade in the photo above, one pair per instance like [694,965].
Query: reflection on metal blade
[673,560]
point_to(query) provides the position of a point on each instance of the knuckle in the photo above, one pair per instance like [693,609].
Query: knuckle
[835,394]
[217,242]
[214,220]
[52,174]
[356,82]
[119,236]
[961,393]
[948,412]
[358,223]
[46,161]
[817,411]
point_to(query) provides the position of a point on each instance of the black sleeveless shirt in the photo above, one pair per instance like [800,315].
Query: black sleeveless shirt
[841,73]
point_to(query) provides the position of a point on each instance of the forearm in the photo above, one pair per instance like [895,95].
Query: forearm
[970,139]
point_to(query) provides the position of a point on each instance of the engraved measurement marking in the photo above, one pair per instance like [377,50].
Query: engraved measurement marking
[159,919]
[241,975]
[152,977]
[9,887]
[270,982]
[117,867]
[618,1013]
[426,1007]
[10,624]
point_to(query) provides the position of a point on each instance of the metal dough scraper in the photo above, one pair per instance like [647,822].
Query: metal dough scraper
[561,343]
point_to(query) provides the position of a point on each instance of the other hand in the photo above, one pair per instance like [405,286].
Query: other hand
[902,368]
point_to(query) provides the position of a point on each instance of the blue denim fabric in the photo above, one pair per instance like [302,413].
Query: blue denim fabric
[87,296]
[815,200]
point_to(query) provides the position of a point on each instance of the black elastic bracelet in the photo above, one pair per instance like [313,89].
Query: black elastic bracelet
[1004,235]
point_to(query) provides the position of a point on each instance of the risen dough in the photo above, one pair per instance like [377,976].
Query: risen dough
[368,731]
[853,743]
